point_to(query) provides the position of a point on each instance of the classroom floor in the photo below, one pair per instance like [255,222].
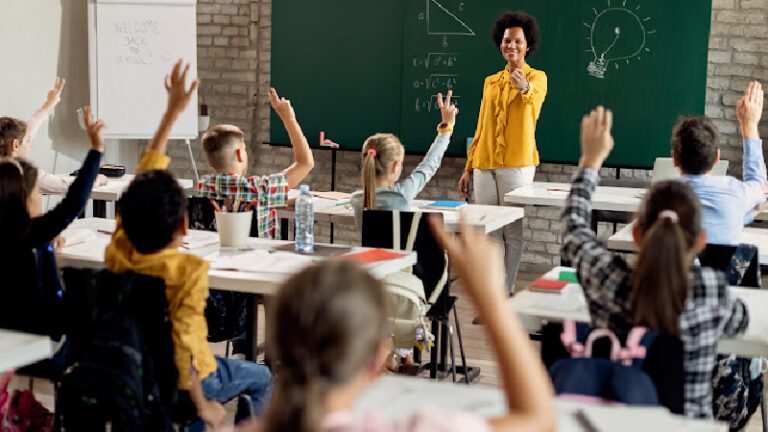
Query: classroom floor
[479,354]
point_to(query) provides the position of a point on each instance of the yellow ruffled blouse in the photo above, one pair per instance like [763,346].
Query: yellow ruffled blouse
[506,127]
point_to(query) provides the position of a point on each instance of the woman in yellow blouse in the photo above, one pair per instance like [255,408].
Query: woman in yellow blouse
[503,154]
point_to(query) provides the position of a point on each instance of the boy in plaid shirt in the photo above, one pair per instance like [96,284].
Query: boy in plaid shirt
[225,148]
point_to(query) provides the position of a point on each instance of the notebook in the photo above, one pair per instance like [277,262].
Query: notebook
[548,285]
[568,276]
[445,204]
[373,255]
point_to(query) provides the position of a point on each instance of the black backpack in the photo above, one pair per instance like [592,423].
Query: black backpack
[120,365]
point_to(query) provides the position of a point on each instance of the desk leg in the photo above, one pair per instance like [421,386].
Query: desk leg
[99,209]
[284,229]
[331,237]
[763,406]
[251,328]
[593,221]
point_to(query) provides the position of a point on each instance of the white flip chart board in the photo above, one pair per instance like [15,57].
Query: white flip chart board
[133,45]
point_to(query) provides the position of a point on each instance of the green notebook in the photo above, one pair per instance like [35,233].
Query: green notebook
[568,276]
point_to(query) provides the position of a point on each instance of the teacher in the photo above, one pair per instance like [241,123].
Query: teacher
[503,154]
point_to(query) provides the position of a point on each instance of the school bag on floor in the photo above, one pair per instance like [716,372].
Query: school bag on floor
[618,378]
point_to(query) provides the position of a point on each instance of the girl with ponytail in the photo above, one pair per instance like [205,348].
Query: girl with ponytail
[665,291]
[328,348]
[383,157]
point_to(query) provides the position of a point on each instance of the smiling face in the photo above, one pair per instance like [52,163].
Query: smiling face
[514,46]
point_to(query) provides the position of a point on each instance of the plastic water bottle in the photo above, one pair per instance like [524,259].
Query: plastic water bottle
[305,219]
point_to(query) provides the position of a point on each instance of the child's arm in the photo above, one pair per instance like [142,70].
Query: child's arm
[209,411]
[595,265]
[178,99]
[749,111]
[304,161]
[52,99]
[411,186]
[45,228]
[530,398]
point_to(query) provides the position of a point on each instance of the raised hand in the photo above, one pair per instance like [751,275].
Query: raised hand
[749,110]
[176,85]
[596,138]
[94,130]
[54,95]
[448,111]
[281,105]
[519,79]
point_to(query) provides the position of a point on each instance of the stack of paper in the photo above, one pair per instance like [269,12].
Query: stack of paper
[261,261]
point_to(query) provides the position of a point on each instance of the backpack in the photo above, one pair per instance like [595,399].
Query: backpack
[408,305]
[120,366]
[619,378]
[225,313]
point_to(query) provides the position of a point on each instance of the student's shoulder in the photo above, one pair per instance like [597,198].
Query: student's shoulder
[709,284]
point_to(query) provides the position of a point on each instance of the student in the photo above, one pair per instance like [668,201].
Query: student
[728,203]
[383,156]
[31,301]
[665,291]
[151,224]
[329,347]
[16,141]
[227,154]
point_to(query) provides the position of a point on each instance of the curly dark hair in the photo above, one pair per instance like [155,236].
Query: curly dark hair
[695,143]
[518,19]
[152,209]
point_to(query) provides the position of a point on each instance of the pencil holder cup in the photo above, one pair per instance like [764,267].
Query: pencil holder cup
[234,228]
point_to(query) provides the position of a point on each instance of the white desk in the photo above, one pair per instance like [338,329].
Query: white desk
[608,198]
[91,255]
[622,241]
[394,397]
[537,307]
[22,349]
[484,217]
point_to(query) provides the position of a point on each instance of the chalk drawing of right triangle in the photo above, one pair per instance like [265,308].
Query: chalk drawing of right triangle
[442,22]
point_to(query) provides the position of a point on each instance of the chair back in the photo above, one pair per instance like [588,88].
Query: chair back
[202,215]
[390,229]
[740,263]
[664,169]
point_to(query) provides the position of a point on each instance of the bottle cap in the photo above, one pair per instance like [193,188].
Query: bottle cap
[304,189]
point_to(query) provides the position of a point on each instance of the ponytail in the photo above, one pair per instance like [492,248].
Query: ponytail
[369,180]
[301,406]
[660,279]
[670,223]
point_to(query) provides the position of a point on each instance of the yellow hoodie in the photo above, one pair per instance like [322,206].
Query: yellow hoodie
[186,287]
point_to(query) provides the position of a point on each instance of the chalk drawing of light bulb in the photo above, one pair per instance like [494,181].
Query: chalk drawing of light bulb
[617,34]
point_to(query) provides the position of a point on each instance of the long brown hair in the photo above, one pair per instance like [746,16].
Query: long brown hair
[670,220]
[10,129]
[379,151]
[17,182]
[325,326]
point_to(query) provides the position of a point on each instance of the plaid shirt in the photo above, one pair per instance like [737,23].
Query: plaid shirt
[710,311]
[265,193]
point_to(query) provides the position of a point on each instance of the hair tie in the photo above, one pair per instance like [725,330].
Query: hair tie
[669,214]
[372,152]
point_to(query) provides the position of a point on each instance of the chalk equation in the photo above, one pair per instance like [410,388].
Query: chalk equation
[429,104]
[436,60]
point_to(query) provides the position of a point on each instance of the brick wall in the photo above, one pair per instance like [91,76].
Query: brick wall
[234,39]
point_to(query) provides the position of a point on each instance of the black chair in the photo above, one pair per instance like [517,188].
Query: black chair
[663,363]
[143,299]
[432,268]
[201,216]
[740,263]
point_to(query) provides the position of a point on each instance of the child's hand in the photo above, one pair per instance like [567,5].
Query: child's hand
[213,414]
[176,84]
[448,111]
[750,110]
[94,130]
[596,138]
[58,243]
[476,259]
[54,95]
[282,106]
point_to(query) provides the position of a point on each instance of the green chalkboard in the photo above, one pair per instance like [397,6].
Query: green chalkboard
[356,67]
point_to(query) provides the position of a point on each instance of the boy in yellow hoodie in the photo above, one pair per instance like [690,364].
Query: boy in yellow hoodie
[150,227]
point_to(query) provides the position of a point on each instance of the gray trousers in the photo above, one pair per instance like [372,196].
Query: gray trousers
[489,188]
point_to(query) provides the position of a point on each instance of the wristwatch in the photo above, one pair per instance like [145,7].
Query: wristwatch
[445,127]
